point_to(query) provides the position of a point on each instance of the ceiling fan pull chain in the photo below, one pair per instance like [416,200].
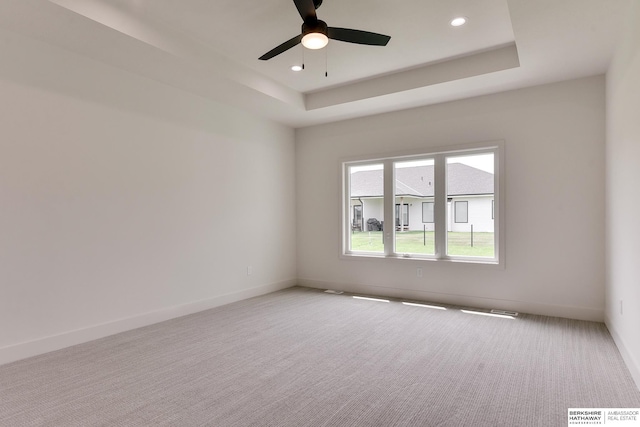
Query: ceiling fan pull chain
[326,61]
[302,47]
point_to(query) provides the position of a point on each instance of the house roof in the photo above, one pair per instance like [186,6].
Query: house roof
[418,181]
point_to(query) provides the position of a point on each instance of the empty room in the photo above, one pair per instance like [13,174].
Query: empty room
[319,213]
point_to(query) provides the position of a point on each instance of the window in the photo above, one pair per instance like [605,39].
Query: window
[427,212]
[357,218]
[402,220]
[461,209]
[445,205]
[366,195]
[413,184]
[471,187]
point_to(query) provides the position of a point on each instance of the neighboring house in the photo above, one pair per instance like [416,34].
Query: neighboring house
[470,198]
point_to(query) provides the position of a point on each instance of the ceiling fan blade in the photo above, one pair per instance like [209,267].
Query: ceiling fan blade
[357,36]
[282,48]
[307,9]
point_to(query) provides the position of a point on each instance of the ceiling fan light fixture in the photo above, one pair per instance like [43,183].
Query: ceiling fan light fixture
[315,40]
[296,67]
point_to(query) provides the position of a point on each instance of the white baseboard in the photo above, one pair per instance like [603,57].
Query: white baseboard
[569,312]
[66,339]
[629,360]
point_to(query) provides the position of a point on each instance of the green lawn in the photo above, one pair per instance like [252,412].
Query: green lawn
[413,242]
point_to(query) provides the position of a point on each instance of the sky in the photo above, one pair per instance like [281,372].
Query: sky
[479,161]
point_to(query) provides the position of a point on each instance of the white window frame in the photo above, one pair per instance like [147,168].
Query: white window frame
[440,199]
[346,211]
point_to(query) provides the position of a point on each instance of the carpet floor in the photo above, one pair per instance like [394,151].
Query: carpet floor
[301,357]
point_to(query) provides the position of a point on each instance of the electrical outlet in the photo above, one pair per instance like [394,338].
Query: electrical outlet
[249,270]
[418,272]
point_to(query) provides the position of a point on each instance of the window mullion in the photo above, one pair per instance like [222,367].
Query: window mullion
[498,176]
[389,208]
[346,206]
[440,208]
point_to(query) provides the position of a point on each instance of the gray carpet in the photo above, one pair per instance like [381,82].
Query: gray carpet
[300,357]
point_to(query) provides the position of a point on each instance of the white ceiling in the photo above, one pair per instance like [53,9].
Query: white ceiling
[210,48]
[244,30]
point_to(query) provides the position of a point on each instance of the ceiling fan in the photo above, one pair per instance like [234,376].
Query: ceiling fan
[316,33]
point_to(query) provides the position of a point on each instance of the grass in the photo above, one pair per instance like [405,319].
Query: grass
[415,242]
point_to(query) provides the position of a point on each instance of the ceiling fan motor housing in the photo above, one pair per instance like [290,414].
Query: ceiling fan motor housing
[316,26]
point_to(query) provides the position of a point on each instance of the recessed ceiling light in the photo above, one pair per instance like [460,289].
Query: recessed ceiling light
[456,22]
[296,68]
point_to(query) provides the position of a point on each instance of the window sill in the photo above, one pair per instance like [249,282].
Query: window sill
[362,256]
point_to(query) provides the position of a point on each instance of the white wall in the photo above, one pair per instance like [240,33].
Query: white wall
[373,208]
[124,201]
[478,215]
[554,148]
[623,195]
[415,214]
